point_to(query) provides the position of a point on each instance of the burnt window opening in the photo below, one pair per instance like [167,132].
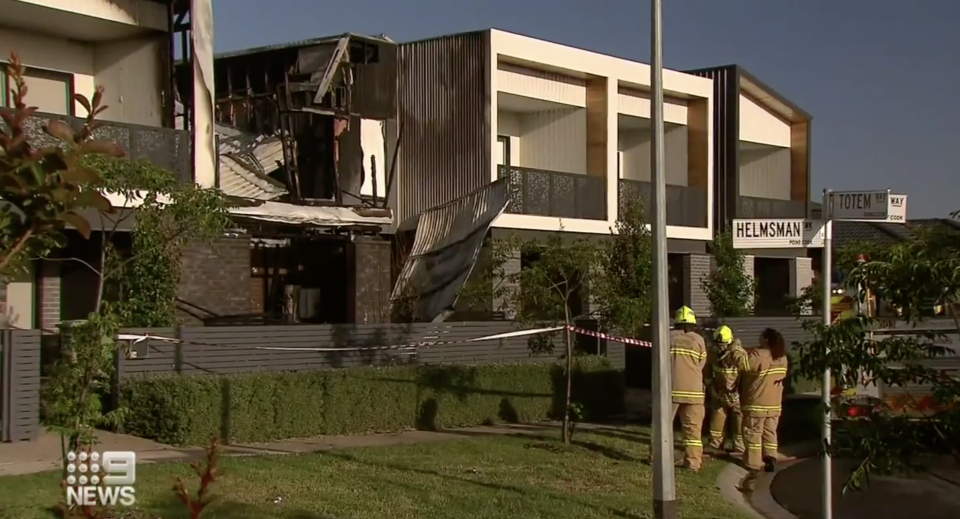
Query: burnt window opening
[362,52]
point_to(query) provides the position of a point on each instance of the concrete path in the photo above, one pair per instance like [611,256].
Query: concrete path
[44,454]
[794,491]
[933,495]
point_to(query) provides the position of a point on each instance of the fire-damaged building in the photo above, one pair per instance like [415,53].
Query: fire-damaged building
[302,136]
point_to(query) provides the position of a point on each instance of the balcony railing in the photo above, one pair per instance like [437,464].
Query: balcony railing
[686,206]
[164,147]
[754,207]
[553,193]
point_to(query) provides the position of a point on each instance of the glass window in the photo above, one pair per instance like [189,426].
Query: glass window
[49,91]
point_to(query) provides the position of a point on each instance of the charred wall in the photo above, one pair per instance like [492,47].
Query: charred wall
[444,103]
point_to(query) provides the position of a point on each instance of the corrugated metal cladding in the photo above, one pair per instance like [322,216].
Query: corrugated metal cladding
[375,84]
[765,172]
[726,142]
[443,103]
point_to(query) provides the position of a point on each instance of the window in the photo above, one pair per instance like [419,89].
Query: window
[503,150]
[51,92]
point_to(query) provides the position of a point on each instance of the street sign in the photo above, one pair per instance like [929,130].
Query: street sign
[780,233]
[873,206]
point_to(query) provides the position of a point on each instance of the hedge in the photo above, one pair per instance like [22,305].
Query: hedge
[269,406]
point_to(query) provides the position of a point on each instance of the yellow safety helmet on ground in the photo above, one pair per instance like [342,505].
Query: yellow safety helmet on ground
[723,335]
[685,316]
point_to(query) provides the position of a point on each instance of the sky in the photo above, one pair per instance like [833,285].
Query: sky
[880,77]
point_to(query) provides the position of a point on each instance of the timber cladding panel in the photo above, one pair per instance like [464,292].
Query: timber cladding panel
[216,350]
[19,385]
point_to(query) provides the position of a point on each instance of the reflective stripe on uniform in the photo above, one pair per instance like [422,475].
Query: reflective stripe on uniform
[772,371]
[770,447]
[726,371]
[687,394]
[689,353]
[754,446]
[692,443]
[716,434]
[760,407]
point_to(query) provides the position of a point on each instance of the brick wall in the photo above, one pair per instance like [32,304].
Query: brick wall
[4,318]
[49,296]
[216,278]
[695,268]
[504,287]
[372,256]
[801,276]
[748,266]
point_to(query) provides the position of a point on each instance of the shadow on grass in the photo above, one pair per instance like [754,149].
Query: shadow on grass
[492,486]
[170,507]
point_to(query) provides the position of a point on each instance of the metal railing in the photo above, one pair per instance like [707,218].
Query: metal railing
[164,147]
[755,207]
[686,206]
[553,193]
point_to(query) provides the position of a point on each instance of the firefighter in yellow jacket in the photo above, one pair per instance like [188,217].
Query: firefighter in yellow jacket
[688,356]
[762,371]
[724,392]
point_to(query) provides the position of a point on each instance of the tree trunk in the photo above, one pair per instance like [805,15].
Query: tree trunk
[568,334]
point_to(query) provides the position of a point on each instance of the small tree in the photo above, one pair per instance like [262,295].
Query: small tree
[625,275]
[41,188]
[545,290]
[729,288]
[881,436]
[168,215]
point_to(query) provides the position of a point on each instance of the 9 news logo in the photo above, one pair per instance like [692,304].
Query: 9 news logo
[105,479]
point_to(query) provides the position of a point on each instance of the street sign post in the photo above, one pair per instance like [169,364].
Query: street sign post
[816,232]
[782,233]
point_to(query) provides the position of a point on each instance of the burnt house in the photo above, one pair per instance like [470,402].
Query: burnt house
[301,132]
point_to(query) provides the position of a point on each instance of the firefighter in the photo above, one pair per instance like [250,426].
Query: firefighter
[688,356]
[762,371]
[724,392]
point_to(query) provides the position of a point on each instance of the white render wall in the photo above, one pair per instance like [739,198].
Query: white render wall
[129,70]
[562,79]
[760,126]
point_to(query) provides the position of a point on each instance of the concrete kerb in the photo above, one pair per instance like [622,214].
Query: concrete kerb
[732,483]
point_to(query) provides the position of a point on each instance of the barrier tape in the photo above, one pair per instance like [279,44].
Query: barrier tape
[136,338]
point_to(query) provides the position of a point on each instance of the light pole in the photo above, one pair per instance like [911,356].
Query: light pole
[664,486]
[827,491]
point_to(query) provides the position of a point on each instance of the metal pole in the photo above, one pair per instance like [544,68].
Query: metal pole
[827,493]
[664,485]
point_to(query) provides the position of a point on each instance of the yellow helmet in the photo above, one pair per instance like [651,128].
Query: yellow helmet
[723,335]
[685,316]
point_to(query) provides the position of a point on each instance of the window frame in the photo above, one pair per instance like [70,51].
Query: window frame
[40,73]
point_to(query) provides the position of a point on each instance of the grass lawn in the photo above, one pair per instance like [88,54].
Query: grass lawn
[480,477]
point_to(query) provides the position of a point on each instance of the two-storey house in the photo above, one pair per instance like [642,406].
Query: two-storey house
[567,128]
[761,162]
[71,47]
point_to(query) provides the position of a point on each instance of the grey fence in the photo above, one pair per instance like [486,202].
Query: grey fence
[215,350]
[19,385]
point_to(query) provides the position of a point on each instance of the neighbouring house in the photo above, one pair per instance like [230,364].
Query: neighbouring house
[128,48]
[565,130]
[761,160]
[302,138]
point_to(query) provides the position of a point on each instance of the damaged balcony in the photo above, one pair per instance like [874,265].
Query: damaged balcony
[542,151]
[686,205]
[304,123]
[765,183]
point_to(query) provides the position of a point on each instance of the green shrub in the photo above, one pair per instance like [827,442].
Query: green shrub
[261,407]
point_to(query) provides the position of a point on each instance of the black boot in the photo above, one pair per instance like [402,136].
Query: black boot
[770,464]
